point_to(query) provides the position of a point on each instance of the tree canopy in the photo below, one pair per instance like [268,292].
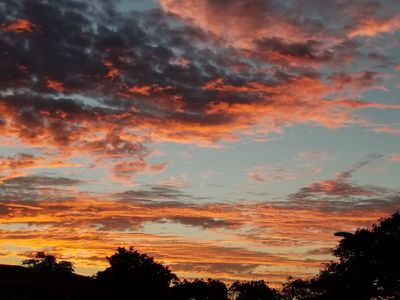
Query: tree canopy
[368,267]
[48,263]
[136,273]
[253,290]
[200,289]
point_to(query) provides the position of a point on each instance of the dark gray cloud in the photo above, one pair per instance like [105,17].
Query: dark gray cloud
[128,62]
[204,222]
[154,193]
[37,180]
[231,268]
[26,189]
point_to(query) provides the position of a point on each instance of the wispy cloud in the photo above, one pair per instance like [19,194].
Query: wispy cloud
[283,235]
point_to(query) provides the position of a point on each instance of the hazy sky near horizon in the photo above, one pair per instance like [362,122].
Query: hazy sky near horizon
[229,139]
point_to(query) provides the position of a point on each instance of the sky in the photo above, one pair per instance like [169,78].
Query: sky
[228,139]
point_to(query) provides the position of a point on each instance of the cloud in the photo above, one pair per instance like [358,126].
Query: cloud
[107,83]
[316,155]
[28,161]
[154,193]
[342,190]
[374,26]
[242,17]
[177,182]
[18,26]
[126,169]
[279,174]
[269,239]
[277,237]
[217,267]
[394,130]
[89,83]
[14,167]
[305,164]
[55,85]
[276,50]
[204,222]
[395,157]
[287,20]
[42,181]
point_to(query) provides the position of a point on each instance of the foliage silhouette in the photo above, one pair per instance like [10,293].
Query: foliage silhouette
[135,274]
[368,267]
[48,263]
[200,289]
[373,256]
[253,290]
[297,288]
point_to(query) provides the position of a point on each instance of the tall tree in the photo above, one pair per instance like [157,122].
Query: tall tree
[368,267]
[372,256]
[135,275]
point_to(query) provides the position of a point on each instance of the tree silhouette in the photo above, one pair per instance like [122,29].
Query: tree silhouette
[200,289]
[368,267]
[253,290]
[373,257]
[298,289]
[135,274]
[48,263]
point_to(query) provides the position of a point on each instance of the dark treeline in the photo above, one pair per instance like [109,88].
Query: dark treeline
[368,267]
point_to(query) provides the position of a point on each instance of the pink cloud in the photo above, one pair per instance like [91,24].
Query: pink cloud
[395,157]
[373,26]
[316,155]
[280,174]
[176,182]
[127,169]
[387,129]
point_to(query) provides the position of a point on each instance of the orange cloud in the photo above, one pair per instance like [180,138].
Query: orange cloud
[27,161]
[11,175]
[18,26]
[298,100]
[121,102]
[113,72]
[148,90]
[55,85]
[282,238]
[269,107]
[16,166]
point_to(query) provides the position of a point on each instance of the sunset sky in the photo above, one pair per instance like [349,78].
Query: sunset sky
[227,138]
